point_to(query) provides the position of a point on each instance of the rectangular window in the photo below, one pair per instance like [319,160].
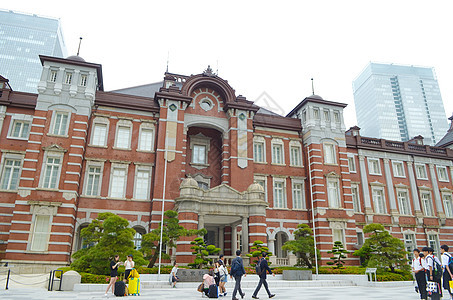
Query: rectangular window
[60,125]
[99,134]
[123,137]
[142,184]
[427,204]
[199,154]
[52,173]
[40,236]
[20,129]
[448,205]
[262,182]
[326,116]
[146,139]
[403,201]
[329,154]
[336,116]
[83,80]
[338,236]
[295,156]
[279,194]
[68,78]
[298,195]
[409,244]
[10,174]
[333,193]
[433,242]
[379,201]
[360,239]
[277,154]
[442,173]
[355,197]
[398,169]
[258,151]
[374,166]
[316,113]
[118,182]
[421,172]
[351,164]
[53,76]
[93,181]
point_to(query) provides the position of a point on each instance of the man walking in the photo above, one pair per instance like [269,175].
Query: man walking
[237,270]
[419,271]
[262,273]
[447,269]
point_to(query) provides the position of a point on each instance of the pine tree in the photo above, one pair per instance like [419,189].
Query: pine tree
[256,250]
[201,250]
[338,252]
[303,246]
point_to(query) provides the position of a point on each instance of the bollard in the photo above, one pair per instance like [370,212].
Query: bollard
[7,279]
[50,280]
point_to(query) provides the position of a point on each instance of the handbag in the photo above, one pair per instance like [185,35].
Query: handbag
[451,285]
[431,287]
[200,288]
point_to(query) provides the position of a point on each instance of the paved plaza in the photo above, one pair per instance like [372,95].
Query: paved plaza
[340,293]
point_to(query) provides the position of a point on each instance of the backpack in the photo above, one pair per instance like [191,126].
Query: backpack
[234,267]
[450,261]
[258,269]
[437,270]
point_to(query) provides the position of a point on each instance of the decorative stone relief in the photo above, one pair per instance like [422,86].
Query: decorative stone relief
[69,195]
[24,193]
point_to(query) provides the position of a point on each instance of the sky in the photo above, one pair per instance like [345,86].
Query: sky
[274,47]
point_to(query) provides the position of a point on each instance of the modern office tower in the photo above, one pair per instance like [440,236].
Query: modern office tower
[398,102]
[23,37]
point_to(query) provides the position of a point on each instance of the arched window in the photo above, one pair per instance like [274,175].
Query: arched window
[139,232]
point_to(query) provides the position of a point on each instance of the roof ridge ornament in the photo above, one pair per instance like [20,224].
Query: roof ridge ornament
[209,72]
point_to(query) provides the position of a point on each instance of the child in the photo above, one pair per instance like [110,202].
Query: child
[419,271]
[447,272]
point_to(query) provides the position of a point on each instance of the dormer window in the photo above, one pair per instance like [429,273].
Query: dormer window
[68,78]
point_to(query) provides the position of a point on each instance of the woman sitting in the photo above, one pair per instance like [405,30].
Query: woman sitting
[208,280]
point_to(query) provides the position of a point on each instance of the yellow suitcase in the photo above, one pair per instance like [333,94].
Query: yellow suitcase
[134,286]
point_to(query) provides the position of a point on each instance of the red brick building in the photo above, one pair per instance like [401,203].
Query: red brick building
[242,172]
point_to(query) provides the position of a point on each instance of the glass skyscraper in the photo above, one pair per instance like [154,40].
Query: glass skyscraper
[398,102]
[22,38]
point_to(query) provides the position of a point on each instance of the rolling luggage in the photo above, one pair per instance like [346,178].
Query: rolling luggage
[120,288]
[213,291]
[134,286]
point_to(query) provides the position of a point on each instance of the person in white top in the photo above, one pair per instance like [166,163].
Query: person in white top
[447,269]
[173,277]
[129,264]
[430,268]
[419,271]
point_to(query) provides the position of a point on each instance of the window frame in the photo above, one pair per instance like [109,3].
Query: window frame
[329,180]
[423,202]
[96,164]
[100,121]
[342,234]
[83,81]
[439,168]
[356,202]
[378,161]
[351,158]
[146,169]
[113,167]
[278,143]
[300,182]
[262,178]
[56,155]
[395,165]
[375,200]
[294,145]
[400,202]
[146,126]
[10,156]
[68,77]
[22,118]
[46,235]
[448,212]
[259,140]
[325,146]
[200,140]
[284,200]
[53,123]
[125,124]
[424,170]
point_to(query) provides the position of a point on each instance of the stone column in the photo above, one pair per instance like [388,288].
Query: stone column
[437,198]
[390,189]
[59,82]
[222,239]
[271,245]
[414,190]
[234,239]
[245,235]
[200,222]
[365,188]
[42,85]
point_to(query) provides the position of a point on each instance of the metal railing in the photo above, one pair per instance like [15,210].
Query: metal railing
[52,279]
[12,276]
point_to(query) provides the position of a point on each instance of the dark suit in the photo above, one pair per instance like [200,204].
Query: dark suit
[238,276]
[264,269]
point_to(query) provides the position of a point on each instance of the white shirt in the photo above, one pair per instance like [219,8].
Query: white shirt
[417,264]
[445,259]
[424,264]
[129,265]
[430,261]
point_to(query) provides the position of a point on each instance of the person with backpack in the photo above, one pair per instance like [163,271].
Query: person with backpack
[237,270]
[262,267]
[433,271]
[447,266]
[419,271]
[223,277]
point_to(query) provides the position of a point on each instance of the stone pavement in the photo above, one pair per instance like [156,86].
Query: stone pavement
[324,293]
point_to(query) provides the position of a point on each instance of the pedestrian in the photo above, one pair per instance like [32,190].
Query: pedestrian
[262,269]
[447,269]
[113,273]
[237,270]
[129,264]
[221,256]
[419,271]
[208,280]
[432,268]
[223,271]
[173,277]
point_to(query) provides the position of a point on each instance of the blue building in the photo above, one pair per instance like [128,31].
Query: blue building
[23,37]
[398,102]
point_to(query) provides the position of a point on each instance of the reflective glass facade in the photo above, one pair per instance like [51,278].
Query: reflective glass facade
[399,102]
[22,38]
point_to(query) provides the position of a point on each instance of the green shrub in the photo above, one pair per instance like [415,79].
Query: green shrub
[93,278]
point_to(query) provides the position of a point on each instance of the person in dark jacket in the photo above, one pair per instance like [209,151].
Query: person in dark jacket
[264,266]
[237,270]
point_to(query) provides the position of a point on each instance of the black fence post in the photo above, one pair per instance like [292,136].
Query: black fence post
[50,280]
[61,279]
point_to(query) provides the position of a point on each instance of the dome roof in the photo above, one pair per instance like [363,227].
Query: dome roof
[315,97]
[189,182]
[255,187]
[76,58]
